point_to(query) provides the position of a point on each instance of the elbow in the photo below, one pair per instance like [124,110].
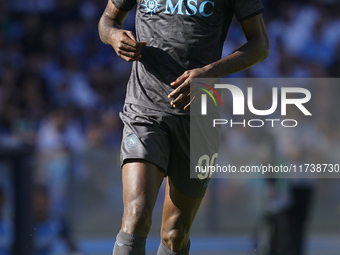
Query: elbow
[265,48]
[102,38]
[266,51]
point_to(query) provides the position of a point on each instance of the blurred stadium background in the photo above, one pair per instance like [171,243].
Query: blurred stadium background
[60,93]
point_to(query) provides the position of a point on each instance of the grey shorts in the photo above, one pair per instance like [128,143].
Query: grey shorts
[164,140]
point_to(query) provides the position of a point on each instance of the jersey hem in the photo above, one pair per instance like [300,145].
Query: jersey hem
[144,157]
[153,107]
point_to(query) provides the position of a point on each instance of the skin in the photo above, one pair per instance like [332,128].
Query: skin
[139,190]
[139,198]
[139,195]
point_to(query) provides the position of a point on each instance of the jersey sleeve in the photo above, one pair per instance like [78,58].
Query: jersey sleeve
[124,5]
[245,9]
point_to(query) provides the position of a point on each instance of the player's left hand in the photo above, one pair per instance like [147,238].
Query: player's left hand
[181,94]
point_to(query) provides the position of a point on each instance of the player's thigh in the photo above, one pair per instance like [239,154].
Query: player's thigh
[192,145]
[141,183]
[179,211]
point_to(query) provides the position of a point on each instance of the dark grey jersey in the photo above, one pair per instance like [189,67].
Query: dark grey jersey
[180,35]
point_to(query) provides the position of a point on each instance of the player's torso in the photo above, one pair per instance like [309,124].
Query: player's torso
[180,35]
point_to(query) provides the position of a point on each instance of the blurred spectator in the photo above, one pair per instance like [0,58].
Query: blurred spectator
[61,89]
[49,229]
[59,140]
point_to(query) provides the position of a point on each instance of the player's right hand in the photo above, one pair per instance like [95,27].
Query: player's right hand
[125,44]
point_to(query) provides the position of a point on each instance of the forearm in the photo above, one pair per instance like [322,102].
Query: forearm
[247,55]
[111,32]
[106,26]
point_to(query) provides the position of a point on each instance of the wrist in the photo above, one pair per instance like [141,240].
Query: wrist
[209,71]
[111,36]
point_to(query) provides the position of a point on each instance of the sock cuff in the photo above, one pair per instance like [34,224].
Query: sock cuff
[130,239]
[186,250]
[167,251]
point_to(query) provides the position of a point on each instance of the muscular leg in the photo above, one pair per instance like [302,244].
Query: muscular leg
[141,183]
[179,212]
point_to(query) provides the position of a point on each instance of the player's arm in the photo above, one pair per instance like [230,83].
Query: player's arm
[111,32]
[253,51]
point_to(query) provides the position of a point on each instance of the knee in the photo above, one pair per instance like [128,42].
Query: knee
[176,239]
[137,219]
